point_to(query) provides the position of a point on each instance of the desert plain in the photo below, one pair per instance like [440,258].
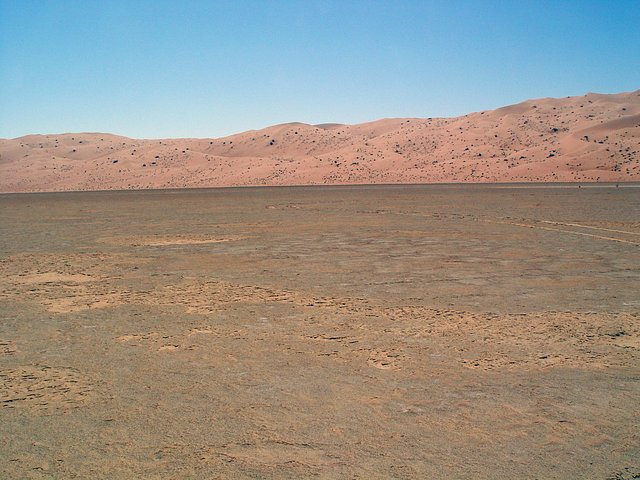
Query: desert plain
[452,331]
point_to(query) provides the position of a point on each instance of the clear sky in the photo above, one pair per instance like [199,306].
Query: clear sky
[184,68]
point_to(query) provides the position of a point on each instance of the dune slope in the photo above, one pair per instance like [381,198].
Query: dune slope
[594,137]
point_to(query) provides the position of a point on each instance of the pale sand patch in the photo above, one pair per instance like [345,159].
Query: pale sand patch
[150,340]
[188,241]
[83,302]
[137,336]
[170,240]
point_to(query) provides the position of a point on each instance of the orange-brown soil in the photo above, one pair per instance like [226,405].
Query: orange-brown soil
[588,138]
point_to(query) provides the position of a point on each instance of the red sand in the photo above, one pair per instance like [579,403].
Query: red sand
[575,139]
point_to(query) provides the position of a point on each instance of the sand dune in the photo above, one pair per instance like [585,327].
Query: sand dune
[588,138]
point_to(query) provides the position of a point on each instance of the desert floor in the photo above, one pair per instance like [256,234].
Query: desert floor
[337,332]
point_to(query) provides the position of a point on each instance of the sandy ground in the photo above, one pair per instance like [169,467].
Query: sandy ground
[337,332]
[588,138]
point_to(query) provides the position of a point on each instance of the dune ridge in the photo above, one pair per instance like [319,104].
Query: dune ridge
[589,138]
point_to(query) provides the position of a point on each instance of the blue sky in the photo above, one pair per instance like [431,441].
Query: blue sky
[151,69]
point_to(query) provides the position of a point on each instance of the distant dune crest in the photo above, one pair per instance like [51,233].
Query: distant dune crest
[589,138]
